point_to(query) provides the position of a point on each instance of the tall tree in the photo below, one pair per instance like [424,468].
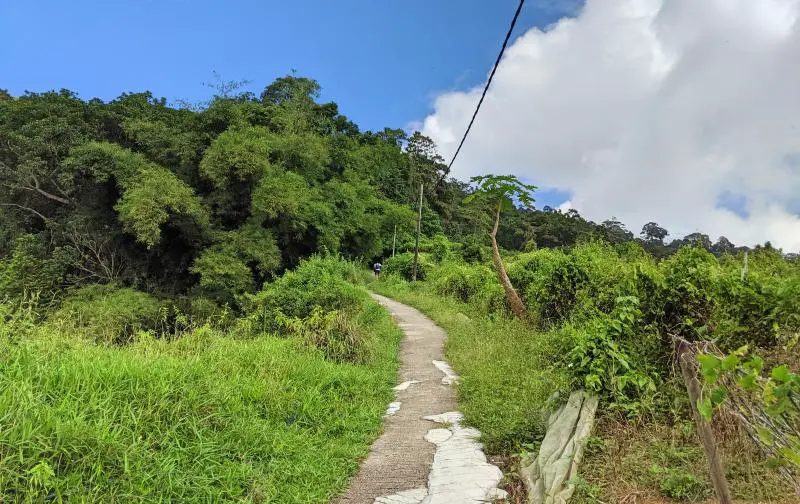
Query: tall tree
[698,240]
[615,231]
[501,191]
[723,246]
[654,233]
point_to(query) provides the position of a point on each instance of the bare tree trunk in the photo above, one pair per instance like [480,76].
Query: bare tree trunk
[689,370]
[517,306]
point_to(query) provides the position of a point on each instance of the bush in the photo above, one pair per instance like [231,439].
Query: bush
[338,337]
[31,269]
[223,275]
[317,282]
[610,358]
[677,483]
[461,281]
[475,250]
[549,281]
[403,266]
[108,313]
[441,248]
[689,297]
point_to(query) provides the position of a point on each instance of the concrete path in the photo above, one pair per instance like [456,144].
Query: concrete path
[424,455]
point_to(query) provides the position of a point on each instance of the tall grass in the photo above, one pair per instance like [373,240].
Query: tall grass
[199,417]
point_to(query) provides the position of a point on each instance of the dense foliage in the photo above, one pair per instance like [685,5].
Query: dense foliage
[216,199]
[604,317]
[622,308]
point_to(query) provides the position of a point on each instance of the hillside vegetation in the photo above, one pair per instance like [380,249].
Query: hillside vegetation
[183,314]
[603,317]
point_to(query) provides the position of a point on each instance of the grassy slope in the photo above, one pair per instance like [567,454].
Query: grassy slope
[506,379]
[204,418]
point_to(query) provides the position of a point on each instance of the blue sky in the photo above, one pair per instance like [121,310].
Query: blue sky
[381,61]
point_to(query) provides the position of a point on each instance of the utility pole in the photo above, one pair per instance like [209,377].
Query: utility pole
[394,239]
[419,227]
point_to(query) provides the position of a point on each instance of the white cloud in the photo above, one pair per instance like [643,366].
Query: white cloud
[649,110]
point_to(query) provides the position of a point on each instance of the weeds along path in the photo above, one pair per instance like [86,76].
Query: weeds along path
[424,455]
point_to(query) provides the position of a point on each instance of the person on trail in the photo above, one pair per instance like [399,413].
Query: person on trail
[377,269]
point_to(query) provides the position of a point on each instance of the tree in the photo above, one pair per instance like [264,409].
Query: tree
[615,231]
[501,191]
[654,233]
[426,167]
[723,246]
[697,240]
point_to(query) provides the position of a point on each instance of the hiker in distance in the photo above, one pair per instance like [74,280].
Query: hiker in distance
[377,269]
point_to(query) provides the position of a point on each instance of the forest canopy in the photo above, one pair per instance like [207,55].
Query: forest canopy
[214,200]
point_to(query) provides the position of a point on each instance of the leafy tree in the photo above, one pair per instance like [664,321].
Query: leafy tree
[501,191]
[652,232]
[140,193]
[615,231]
[697,240]
[723,246]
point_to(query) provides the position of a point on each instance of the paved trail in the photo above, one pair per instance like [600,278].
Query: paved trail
[424,455]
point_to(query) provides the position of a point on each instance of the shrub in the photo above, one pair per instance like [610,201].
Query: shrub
[441,248]
[610,272]
[475,250]
[746,311]
[317,282]
[223,275]
[197,310]
[31,269]
[108,313]
[689,278]
[403,266]
[461,281]
[610,358]
[549,281]
[677,483]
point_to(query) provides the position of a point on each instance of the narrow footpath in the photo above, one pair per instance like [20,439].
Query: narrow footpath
[424,455]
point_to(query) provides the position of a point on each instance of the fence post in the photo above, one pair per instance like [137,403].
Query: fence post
[688,363]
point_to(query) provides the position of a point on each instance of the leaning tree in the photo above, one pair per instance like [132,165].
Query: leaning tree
[501,191]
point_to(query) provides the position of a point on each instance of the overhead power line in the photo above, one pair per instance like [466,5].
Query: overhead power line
[488,83]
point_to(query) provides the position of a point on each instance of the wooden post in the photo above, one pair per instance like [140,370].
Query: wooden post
[394,239]
[688,363]
[744,267]
[419,227]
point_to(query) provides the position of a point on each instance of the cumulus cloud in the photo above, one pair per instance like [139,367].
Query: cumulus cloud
[664,110]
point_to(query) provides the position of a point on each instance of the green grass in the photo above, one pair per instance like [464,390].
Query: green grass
[505,368]
[202,418]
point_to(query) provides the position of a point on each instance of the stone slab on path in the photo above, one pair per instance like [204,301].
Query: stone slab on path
[417,460]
